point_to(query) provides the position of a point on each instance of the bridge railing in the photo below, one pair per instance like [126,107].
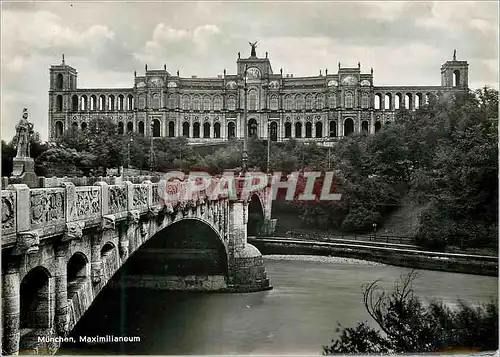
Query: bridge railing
[31,214]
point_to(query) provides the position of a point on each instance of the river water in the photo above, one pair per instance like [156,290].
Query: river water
[310,295]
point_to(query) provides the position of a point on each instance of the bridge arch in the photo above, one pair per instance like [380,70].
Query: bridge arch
[35,299]
[190,247]
[256,215]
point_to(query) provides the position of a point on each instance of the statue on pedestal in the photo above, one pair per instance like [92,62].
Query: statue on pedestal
[24,165]
[24,133]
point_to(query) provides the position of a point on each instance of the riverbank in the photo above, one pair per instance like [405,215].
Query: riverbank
[408,258]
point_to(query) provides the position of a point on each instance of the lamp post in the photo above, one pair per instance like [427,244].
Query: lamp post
[268,145]
[374,231]
[245,126]
[128,149]
[151,148]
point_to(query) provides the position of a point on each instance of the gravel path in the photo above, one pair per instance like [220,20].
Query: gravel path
[317,258]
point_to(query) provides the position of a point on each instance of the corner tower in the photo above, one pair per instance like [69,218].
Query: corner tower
[455,74]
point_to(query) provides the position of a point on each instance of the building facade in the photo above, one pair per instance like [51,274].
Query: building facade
[280,106]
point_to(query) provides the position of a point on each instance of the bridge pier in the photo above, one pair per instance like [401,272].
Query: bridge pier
[11,307]
[61,289]
[247,272]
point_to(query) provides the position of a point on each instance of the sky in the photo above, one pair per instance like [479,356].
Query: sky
[405,42]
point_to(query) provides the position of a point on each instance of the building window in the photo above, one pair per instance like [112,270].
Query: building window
[141,127]
[252,100]
[319,129]
[185,129]
[111,102]
[102,102]
[231,103]
[273,102]
[299,102]
[130,102]
[156,101]
[120,102]
[309,102]
[217,102]
[319,102]
[365,101]
[156,128]
[288,130]
[185,102]
[84,104]
[252,128]
[59,81]
[59,103]
[206,130]
[332,99]
[349,100]
[196,103]
[333,129]
[288,102]
[74,103]
[59,129]
[206,103]
[217,130]
[231,130]
[130,127]
[196,130]
[308,130]
[298,129]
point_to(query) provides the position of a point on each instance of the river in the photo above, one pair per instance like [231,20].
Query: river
[310,295]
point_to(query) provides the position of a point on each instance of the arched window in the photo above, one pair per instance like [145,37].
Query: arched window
[156,128]
[308,130]
[397,101]
[273,102]
[378,126]
[196,103]
[252,100]
[206,130]
[111,102]
[273,131]
[408,101]
[196,130]
[185,102]
[59,103]
[298,129]
[142,101]
[84,103]
[59,129]
[121,99]
[299,102]
[130,102]
[418,100]
[231,102]
[388,101]
[319,129]
[93,102]
[348,127]
[332,101]
[206,102]
[231,130]
[102,102]
[156,101]
[217,102]
[217,130]
[288,130]
[185,129]
[456,78]
[141,127]
[365,101]
[130,127]
[84,126]
[34,299]
[364,126]
[349,100]
[333,129]
[309,102]
[252,128]
[377,101]
[288,102]
[120,128]
[171,129]
[319,102]
[74,126]
[59,81]
[74,103]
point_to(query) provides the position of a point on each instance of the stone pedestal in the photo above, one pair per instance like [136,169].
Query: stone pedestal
[24,172]
[247,271]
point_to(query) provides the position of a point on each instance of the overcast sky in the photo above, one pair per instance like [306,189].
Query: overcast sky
[404,42]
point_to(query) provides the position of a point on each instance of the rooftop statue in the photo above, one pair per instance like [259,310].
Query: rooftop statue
[253,45]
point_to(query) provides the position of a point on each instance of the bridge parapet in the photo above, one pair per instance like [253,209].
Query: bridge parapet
[55,210]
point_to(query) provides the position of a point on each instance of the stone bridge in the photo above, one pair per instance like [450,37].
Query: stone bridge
[62,245]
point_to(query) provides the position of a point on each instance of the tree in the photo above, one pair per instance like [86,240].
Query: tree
[408,326]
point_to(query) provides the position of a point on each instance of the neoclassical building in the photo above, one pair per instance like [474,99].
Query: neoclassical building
[321,108]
